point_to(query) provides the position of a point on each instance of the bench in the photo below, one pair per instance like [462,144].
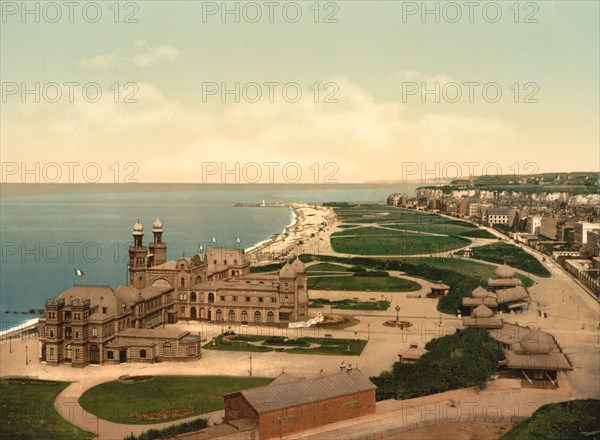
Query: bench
[328,335]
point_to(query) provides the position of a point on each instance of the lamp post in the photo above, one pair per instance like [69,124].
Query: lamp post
[26,358]
[250,370]
[397,313]
[10,344]
[368,332]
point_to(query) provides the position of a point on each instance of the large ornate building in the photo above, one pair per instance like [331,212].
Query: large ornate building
[97,325]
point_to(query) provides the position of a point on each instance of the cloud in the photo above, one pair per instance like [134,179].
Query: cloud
[140,55]
[366,138]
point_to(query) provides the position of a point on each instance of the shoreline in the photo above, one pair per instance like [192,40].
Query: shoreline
[309,220]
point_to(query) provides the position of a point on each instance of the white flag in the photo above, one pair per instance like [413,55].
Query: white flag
[79,272]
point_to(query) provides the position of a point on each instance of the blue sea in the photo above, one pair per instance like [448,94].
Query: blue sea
[47,231]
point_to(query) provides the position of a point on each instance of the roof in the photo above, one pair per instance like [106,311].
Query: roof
[490,301]
[509,334]
[480,292]
[285,378]
[153,333]
[100,296]
[286,395]
[504,282]
[413,352]
[440,286]
[287,271]
[298,266]
[498,211]
[505,271]
[537,342]
[493,322]
[550,361]
[511,294]
[119,342]
[482,311]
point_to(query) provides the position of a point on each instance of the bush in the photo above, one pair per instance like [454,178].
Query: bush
[170,431]
[467,358]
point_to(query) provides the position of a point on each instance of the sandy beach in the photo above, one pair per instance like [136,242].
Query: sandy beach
[308,234]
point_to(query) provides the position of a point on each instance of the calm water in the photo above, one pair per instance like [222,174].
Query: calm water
[47,231]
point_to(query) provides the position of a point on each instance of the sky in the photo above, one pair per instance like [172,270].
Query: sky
[309,92]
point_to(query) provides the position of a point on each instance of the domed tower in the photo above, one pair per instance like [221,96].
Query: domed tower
[157,248]
[138,254]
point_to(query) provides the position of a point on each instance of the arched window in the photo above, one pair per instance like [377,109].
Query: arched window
[231,315]
[193,296]
[211,297]
[167,348]
[219,314]
[270,317]
[198,279]
[244,315]
[257,316]
[182,282]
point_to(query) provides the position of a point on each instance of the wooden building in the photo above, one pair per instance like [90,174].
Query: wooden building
[290,404]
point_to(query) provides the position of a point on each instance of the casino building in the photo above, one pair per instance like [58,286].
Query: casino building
[98,325]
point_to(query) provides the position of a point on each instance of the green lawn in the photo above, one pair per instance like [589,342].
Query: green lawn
[330,346]
[350,304]
[471,268]
[377,284]
[395,243]
[512,255]
[326,267]
[119,402]
[28,411]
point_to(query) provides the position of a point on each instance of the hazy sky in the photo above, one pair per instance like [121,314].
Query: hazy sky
[372,63]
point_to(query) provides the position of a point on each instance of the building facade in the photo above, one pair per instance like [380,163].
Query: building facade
[94,324]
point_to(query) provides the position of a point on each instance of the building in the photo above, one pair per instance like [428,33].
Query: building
[291,404]
[534,223]
[412,354]
[593,243]
[549,228]
[533,355]
[90,324]
[397,199]
[98,325]
[438,290]
[463,207]
[580,234]
[498,216]
[475,210]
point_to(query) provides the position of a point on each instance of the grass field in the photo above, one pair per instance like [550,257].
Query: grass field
[377,284]
[512,255]
[395,243]
[330,346]
[120,402]
[397,231]
[28,411]
[349,304]
[466,267]
[326,267]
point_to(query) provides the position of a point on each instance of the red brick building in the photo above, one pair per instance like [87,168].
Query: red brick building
[290,404]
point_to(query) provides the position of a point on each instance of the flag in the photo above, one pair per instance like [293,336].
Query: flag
[201,248]
[214,240]
[237,240]
[79,272]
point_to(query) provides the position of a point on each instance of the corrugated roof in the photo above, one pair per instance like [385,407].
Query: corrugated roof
[286,395]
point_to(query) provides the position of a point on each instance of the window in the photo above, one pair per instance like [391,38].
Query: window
[260,299]
[77,353]
[94,332]
[231,315]
[224,261]
[244,315]
[104,310]
[142,353]
[192,350]
[247,299]
[235,298]
[257,316]
[222,298]
[182,282]
[273,299]
[167,348]
[183,296]
[193,296]
[51,353]
[219,315]
[51,333]
[110,354]
[270,317]
[211,297]
[76,335]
